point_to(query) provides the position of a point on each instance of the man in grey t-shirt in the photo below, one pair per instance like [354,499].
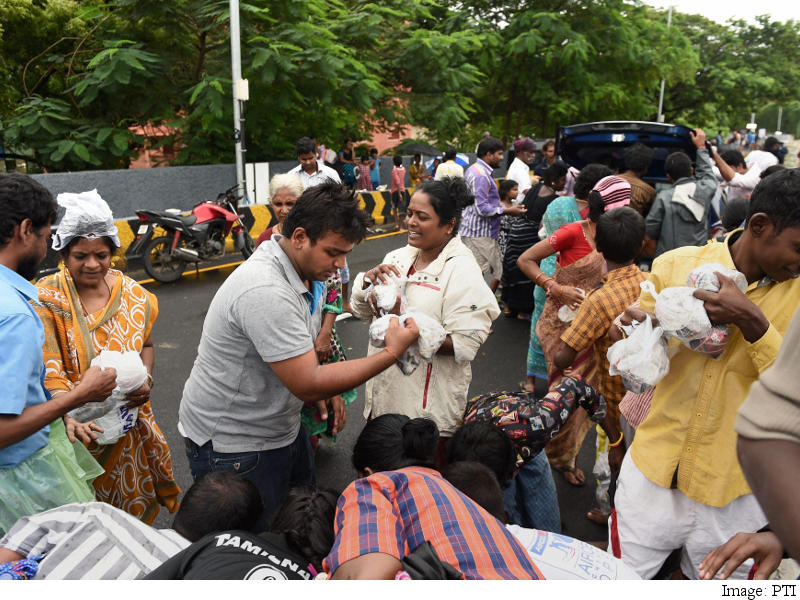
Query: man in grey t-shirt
[256,363]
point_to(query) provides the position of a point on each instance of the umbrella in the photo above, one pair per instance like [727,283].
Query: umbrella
[417,148]
[429,162]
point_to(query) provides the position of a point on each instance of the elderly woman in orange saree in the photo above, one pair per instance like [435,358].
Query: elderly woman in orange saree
[86,308]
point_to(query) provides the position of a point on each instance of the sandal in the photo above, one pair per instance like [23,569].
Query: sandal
[565,471]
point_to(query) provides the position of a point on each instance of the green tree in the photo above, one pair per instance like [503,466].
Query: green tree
[742,66]
[551,63]
[333,68]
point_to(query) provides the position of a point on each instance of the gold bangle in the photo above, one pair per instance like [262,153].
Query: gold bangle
[150,379]
[392,354]
[618,442]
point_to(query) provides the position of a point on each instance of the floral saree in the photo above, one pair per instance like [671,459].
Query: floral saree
[137,474]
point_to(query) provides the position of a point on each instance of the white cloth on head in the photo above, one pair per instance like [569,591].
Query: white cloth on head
[87,216]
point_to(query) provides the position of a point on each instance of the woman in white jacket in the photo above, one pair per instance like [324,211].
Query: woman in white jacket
[444,282]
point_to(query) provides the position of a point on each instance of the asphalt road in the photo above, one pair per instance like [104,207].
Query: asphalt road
[500,365]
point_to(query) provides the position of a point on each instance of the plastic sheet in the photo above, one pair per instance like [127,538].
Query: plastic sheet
[87,215]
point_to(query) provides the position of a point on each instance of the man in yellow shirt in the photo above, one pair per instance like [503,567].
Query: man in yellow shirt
[416,171]
[680,486]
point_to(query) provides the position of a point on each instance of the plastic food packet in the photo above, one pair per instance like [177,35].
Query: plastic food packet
[431,334]
[705,277]
[386,293]
[111,414]
[566,314]
[640,359]
[679,313]
[431,337]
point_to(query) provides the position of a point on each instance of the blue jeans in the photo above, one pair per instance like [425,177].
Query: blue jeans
[273,472]
[530,498]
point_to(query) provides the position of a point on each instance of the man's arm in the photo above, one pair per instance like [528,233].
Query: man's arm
[769,441]
[564,357]
[374,565]
[706,180]
[95,386]
[772,468]
[731,305]
[19,421]
[310,381]
[725,169]
[763,547]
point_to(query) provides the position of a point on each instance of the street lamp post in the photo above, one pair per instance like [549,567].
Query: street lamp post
[661,95]
[240,96]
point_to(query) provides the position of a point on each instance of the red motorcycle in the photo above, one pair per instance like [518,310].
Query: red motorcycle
[193,238]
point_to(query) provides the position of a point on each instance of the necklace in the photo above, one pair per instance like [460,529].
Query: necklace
[80,299]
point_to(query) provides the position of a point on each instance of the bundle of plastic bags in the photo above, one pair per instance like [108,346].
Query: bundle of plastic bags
[705,277]
[111,414]
[641,359]
[431,337]
[684,317]
[679,313]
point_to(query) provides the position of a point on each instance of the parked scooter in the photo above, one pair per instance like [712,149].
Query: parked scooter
[194,238]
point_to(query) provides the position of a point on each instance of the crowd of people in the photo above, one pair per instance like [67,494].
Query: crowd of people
[447,486]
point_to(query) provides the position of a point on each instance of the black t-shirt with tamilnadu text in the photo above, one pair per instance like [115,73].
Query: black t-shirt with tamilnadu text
[234,555]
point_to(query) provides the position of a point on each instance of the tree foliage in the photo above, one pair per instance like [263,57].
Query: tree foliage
[79,79]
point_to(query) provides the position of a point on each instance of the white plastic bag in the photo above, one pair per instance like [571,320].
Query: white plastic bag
[679,313]
[705,277]
[111,414]
[431,334]
[641,358]
[87,215]
[566,314]
[602,472]
[431,337]
[386,293]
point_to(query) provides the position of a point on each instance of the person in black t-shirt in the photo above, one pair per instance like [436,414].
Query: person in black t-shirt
[301,536]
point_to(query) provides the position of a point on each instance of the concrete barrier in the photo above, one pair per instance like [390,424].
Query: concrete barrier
[257,218]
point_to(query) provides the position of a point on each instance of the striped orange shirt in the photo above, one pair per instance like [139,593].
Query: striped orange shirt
[620,288]
[393,512]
